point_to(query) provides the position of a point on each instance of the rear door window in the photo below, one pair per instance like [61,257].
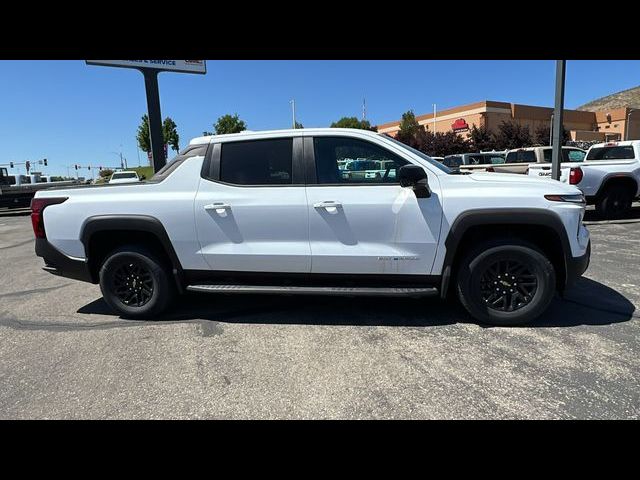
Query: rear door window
[257,162]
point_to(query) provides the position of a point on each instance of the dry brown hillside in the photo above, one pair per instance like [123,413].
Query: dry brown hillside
[625,98]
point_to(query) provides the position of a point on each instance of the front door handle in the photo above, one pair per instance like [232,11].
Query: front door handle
[329,204]
[218,207]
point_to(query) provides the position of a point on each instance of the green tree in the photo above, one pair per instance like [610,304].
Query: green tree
[229,124]
[144,141]
[413,134]
[106,173]
[449,143]
[512,135]
[353,122]
[299,125]
[481,139]
[169,134]
[542,135]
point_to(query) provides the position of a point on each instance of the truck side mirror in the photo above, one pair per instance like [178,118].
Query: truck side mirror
[415,177]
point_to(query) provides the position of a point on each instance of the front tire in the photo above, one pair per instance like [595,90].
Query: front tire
[135,283]
[506,283]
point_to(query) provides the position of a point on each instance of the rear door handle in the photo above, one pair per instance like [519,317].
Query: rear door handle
[217,207]
[328,204]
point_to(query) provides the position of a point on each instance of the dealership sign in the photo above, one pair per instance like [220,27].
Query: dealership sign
[460,125]
[184,66]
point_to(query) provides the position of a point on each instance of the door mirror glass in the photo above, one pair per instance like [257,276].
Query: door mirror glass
[414,176]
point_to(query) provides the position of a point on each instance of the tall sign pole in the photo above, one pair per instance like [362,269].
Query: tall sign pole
[150,70]
[155,118]
[556,153]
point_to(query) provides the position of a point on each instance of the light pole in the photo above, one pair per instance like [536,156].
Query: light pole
[551,131]
[556,149]
[293,111]
[119,154]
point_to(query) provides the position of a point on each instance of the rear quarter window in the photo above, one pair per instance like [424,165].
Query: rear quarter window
[452,162]
[189,152]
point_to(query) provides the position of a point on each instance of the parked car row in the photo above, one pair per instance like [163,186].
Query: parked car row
[608,174]
[510,161]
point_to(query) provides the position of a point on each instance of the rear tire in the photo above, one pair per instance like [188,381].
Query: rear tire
[615,202]
[506,283]
[135,283]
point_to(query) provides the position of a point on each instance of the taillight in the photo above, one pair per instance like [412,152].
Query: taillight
[575,175]
[37,207]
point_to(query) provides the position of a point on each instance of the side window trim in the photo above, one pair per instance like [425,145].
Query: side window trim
[310,163]
[212,171]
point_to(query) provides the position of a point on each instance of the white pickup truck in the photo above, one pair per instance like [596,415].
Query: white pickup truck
[272,212]
[609,176]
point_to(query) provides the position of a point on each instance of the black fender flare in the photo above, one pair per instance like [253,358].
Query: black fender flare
[499,216]
[139,223]
[612,177]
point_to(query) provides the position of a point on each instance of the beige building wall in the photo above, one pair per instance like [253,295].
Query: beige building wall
[582,125]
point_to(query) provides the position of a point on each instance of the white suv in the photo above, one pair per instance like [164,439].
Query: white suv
[272,212]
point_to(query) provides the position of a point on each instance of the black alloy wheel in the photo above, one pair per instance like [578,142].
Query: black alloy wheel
[508,285]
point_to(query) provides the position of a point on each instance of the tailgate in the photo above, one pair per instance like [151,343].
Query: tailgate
[544,171]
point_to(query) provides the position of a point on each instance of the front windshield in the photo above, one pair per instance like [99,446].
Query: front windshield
[424,156]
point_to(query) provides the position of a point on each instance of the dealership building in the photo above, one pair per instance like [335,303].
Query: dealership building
[608,124]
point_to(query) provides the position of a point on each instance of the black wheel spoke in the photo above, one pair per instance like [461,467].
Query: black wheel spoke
[508,285]
[132,283]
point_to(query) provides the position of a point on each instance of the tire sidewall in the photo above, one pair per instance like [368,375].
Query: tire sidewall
[161,287]
[605,206]
[538,265]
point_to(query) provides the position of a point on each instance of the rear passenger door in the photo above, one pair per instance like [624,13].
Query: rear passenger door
[251,207]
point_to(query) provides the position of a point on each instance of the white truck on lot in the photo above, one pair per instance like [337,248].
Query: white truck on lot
[609,176]
[125,176]
[272,212]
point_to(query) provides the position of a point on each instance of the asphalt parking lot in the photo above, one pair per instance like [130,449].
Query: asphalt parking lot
[63,354]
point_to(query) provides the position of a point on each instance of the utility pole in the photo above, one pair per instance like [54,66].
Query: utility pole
[293,108]
[551,131]
[556,152]
[364,109]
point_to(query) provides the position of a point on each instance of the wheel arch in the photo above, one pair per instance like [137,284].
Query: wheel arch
[618,179]
[523,223]
[102,233]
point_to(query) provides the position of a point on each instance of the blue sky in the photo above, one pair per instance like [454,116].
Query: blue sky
[72,113]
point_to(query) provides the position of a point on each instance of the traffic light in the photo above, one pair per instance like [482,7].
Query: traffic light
[27,164]
[11,164]
[100,168]
[76,165]
[45,162]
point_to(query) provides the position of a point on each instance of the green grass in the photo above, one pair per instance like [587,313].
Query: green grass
[147,172]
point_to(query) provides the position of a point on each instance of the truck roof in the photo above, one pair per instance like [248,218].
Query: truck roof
[249,133]
[622,143]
